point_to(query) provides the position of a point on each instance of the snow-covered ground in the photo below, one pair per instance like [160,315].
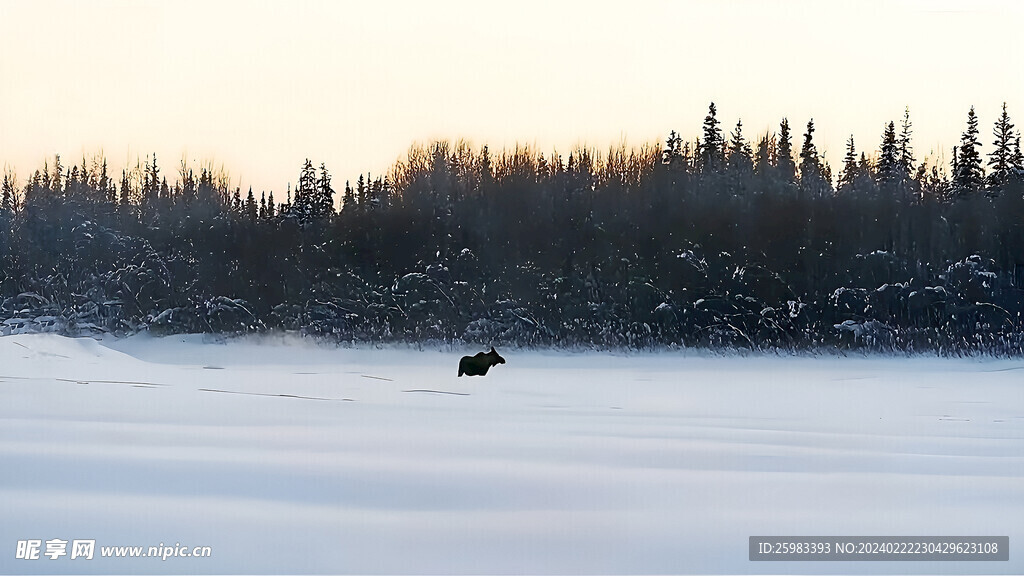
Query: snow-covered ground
[290,458]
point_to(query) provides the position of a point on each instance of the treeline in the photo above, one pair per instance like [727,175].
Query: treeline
[720,242]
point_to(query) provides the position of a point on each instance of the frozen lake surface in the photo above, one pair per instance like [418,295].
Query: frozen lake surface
[290,458]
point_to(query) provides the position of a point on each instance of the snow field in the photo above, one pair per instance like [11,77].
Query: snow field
[289,458]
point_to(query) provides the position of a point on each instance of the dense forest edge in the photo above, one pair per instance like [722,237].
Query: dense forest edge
[719,243]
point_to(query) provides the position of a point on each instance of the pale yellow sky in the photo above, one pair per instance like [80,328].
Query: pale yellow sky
[259,86]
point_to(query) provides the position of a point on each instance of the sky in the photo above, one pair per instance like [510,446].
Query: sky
[257,87]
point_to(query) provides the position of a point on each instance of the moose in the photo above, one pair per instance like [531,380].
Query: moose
[480,363]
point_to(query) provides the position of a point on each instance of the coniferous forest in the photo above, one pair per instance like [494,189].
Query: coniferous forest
[724,242]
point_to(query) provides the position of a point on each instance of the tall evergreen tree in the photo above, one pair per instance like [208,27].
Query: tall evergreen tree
[784,156]
[712,150]
[809,166]
[236,202]
[323,206]
[887,169]
[764,157]
[55,185]
[305,191]
[106,186]
[1001,159]
[8,201]
[126,189]
[362,200]
[967,172]
[672,153]
[348,199]
[150,187]
[251,210]
[905,150]
[740,154]
[850,168]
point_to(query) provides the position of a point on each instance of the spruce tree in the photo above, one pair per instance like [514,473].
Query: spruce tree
[784,156]
[55,179]
[672,152]
[967,172]
[236,202]
[865,167]
[712,151]
[250,206]
[361,198]
[764,158]
[348,199]
[1001,160]
[809,166]
[886,171]
[740,154]
[150,186]
[106,186]
[815,175]
[850,169]
[7,202]
[906,158]
[323,205]
[302,203]
[126,188]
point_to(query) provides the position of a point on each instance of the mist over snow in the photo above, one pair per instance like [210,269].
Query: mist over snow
[285,457]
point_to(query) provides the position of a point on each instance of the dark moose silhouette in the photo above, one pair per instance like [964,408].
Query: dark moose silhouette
[480,363]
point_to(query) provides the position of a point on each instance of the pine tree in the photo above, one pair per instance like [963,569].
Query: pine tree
[250,206]
[784,156]
[905,151]
[263,206]
[1001,160]
[815,174]
[850,167]
[126,188]
[55,183]
[236,202]
[672,153]
[887,169]
[764,158]
[809,166]
[81,179]
[150,187]
[967,174]
[865,167]
[376,194]
[740,154]
[9,199]
[543,171]
[106,186]
[302,204]
[271,207]
[712,151]
[323,207]
[348,199]
[361,199]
